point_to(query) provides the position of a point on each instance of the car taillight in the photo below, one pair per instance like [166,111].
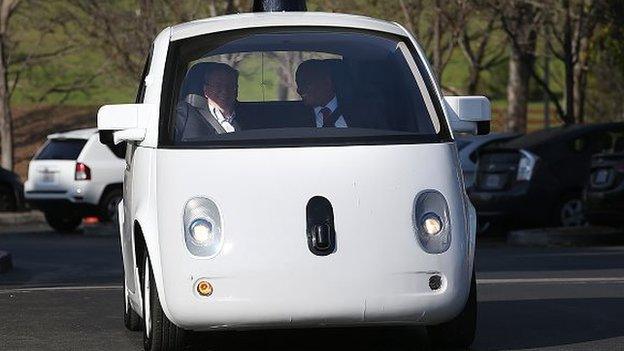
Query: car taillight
[526,165]
[83,172]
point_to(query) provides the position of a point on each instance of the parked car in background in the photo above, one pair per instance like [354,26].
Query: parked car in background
[468,147]
[74,175]
[538,179]
[11,191]
[604,194]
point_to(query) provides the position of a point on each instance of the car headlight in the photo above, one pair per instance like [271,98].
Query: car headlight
[526,165]
[431,221]
[202,232]
[431,224]
[202,227]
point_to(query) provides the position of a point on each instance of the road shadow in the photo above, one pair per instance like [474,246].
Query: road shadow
[338,339]
[511,259]
[524,324]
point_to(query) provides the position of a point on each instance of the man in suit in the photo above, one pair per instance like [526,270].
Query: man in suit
[213,112]
[316,88]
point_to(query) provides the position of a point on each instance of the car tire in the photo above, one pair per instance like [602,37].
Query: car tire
[108,205]
[132,321]
[63,223]
[159,333]
[460,331]
[7,199]
[570,212]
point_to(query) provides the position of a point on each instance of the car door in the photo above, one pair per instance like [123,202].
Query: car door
[127,237]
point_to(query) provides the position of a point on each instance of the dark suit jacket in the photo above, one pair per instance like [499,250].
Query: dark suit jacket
[357,117]
[190,124]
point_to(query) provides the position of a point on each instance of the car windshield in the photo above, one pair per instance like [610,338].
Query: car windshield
[61,149]
[298,87]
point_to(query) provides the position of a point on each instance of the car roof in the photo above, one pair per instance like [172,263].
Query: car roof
[545,136]
[74,134]
[280,19]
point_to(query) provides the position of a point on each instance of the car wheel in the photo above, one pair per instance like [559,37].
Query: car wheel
[159,333]
[63,223]
[460,331]
[132,321]
[7,199]
[109,203]
[570,212]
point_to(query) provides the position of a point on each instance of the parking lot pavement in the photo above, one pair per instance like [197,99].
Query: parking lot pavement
[65,294]
[42,257]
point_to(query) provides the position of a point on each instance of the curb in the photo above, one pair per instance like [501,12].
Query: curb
[574,236]
[5,262]
[9,219]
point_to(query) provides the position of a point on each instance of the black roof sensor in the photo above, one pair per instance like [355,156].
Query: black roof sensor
[279,5]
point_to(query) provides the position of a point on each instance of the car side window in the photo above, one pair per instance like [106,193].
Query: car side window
[474,156]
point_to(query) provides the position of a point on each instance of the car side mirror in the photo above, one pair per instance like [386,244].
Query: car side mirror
[469,114]
[119,123]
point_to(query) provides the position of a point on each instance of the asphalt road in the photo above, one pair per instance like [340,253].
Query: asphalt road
[64,294]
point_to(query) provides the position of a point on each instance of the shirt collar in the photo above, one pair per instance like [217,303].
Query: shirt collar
[218,113]
[332,105]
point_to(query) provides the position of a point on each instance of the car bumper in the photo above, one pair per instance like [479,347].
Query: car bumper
[79,194]
[279,301]
[64,205]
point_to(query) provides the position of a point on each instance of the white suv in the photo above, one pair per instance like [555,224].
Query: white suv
[73,175]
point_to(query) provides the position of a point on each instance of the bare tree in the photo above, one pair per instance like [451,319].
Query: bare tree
[572,23]
[475,42]
[440,36]
[125,29]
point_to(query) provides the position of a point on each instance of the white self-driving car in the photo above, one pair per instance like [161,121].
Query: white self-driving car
[270,213]
[74,175]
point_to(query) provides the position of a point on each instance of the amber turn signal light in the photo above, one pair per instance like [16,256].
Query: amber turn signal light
[204,288]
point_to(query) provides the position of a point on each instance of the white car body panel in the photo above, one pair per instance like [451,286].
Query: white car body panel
[105,167]
[265,275]
[368,280]
[280,19]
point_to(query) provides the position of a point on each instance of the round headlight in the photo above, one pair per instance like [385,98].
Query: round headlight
[431,224]
[201,232]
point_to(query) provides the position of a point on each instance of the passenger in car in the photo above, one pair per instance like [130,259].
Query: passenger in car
[317,88]
[213,112]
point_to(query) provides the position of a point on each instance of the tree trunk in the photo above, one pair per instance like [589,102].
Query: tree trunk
[568,60]
[437,39]
[473,80]
[517,92]
[581,68]
[580,85]
[6,121]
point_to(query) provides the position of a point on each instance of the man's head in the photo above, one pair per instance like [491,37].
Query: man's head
[221,85]
[314,83]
